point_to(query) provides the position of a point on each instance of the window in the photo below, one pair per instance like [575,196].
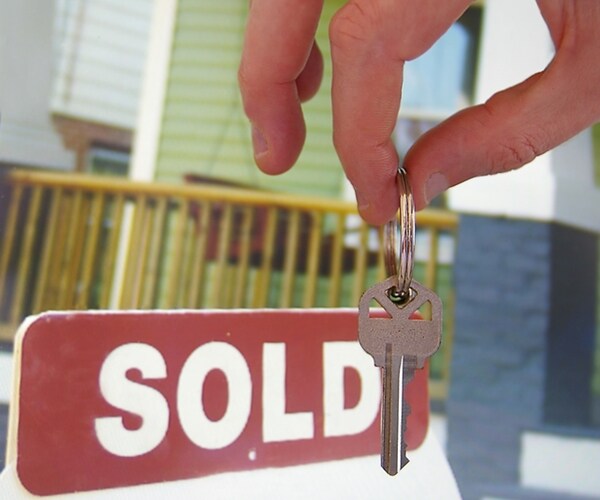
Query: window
[104,160]
[440,82]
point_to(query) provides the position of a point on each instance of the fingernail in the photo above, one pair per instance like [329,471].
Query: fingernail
[436,185]
[258,142]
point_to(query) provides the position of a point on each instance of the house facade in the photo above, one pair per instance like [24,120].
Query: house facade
[27,135]
[526,365]
[99,49]
[197,117]
[70,100]
[516,230]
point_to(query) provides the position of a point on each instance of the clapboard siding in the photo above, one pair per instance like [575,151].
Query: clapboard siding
[204,129]
[101,51]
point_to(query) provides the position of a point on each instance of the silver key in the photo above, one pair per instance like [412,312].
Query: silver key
[398,345]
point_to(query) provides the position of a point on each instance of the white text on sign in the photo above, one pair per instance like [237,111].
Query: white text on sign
[277,424]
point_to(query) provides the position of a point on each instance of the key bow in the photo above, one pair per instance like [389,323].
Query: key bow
[418,337]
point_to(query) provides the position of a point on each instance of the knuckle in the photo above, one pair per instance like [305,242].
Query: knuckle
[515,153]
[354,24]
[245,79]
[249,91]
[247,101]
[338,143]
[349,150]
[513,148]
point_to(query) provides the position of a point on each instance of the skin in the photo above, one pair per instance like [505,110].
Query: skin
[282,67]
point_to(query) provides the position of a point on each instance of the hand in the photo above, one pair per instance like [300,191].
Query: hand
[371,39]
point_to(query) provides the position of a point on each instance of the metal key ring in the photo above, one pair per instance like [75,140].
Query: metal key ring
[399,240]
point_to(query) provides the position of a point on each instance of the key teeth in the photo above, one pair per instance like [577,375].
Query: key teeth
[393,440]
[406,410]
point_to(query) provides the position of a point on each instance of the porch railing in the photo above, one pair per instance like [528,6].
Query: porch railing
[87,242]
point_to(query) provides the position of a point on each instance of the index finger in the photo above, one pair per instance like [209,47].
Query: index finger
[278,48]
[370,41]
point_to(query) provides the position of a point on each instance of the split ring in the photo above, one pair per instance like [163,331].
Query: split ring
[399,240]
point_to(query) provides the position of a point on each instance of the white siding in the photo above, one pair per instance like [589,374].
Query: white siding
[100,51]
[27,136]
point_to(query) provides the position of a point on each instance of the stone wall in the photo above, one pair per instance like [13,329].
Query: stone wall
[525,303]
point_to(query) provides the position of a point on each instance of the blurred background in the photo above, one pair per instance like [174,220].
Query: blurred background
[127,180]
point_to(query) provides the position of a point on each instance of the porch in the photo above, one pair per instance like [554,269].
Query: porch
[74,242]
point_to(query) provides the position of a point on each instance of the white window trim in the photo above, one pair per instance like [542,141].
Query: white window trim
[154,88]
[149,122]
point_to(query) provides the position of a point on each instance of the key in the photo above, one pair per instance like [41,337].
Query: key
[399,345]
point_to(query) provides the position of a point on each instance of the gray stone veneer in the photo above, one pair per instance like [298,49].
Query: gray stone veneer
[525,301]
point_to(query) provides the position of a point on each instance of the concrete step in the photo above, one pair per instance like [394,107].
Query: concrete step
[521,493]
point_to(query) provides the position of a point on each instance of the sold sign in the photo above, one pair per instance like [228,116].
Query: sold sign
[123,398]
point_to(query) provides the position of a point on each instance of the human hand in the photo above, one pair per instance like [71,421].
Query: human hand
[371,39]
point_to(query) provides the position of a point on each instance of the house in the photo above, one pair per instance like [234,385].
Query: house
[192,122]
[71,103]
[512,229]
[100,49]
[521,385]
[27,136]
[193,108]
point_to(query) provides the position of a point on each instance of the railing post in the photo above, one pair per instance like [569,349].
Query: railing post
[8,241]
[91,248]
[25,259]
[40,292]
[336,262]
[313,260]
[241,277]
[291,254]
[152,254]
[264,274]
[219,283]
[196,294]
[109,267]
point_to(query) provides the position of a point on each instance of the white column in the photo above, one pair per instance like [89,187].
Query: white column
[149,121]
[154,87]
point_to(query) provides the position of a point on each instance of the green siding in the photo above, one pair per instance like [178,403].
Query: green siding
[204,129]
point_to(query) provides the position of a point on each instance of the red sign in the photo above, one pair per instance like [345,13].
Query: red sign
[124,398]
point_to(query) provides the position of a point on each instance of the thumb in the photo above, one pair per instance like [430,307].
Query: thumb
[508,131]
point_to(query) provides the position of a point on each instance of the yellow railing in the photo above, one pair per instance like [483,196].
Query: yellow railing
[81,242]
